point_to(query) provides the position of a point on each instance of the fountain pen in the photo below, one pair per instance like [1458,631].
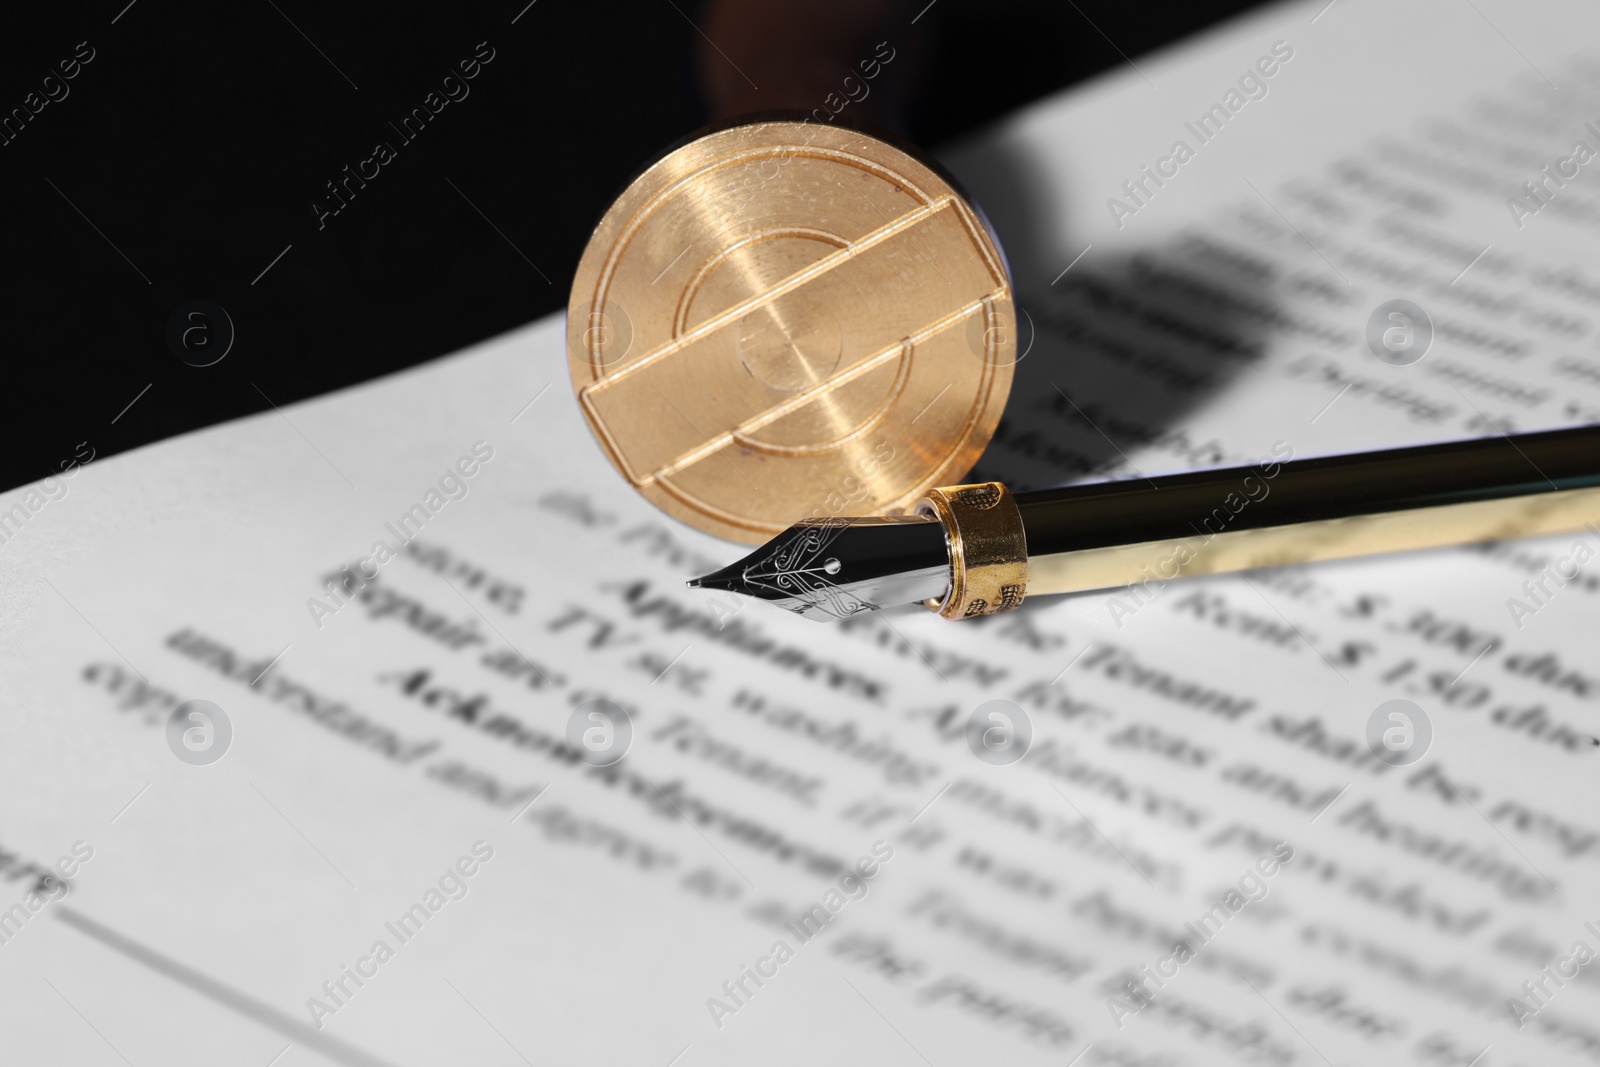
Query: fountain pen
[975,550]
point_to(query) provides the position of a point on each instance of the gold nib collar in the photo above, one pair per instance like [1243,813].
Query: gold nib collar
[988,549]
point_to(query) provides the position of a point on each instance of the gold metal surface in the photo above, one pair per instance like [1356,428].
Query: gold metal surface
[1156,562]
[988,549]
[784,320]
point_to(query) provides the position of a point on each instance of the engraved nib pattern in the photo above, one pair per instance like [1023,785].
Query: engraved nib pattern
[837,568]
[798,569]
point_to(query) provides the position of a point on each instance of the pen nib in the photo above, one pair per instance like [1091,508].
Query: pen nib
[837,568]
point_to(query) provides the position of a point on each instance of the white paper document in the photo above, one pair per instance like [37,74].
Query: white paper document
[401,602]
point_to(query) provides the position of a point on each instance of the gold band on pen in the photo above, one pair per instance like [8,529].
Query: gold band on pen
[988,549]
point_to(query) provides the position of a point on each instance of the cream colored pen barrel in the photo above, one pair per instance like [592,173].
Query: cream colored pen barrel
[1310,542]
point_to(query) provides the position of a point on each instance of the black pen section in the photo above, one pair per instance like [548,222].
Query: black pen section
[1280,491]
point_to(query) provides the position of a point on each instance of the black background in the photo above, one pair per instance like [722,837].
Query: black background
[198,137]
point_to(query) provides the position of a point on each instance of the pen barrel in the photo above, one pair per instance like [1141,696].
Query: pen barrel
[1283,510]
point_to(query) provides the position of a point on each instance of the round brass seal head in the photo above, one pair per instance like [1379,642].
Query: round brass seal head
[782,321]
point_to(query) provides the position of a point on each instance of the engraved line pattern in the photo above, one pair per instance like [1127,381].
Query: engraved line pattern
[795,281]
[625,238]
[799,400]
[794,570]
[901,181]
[680,318]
